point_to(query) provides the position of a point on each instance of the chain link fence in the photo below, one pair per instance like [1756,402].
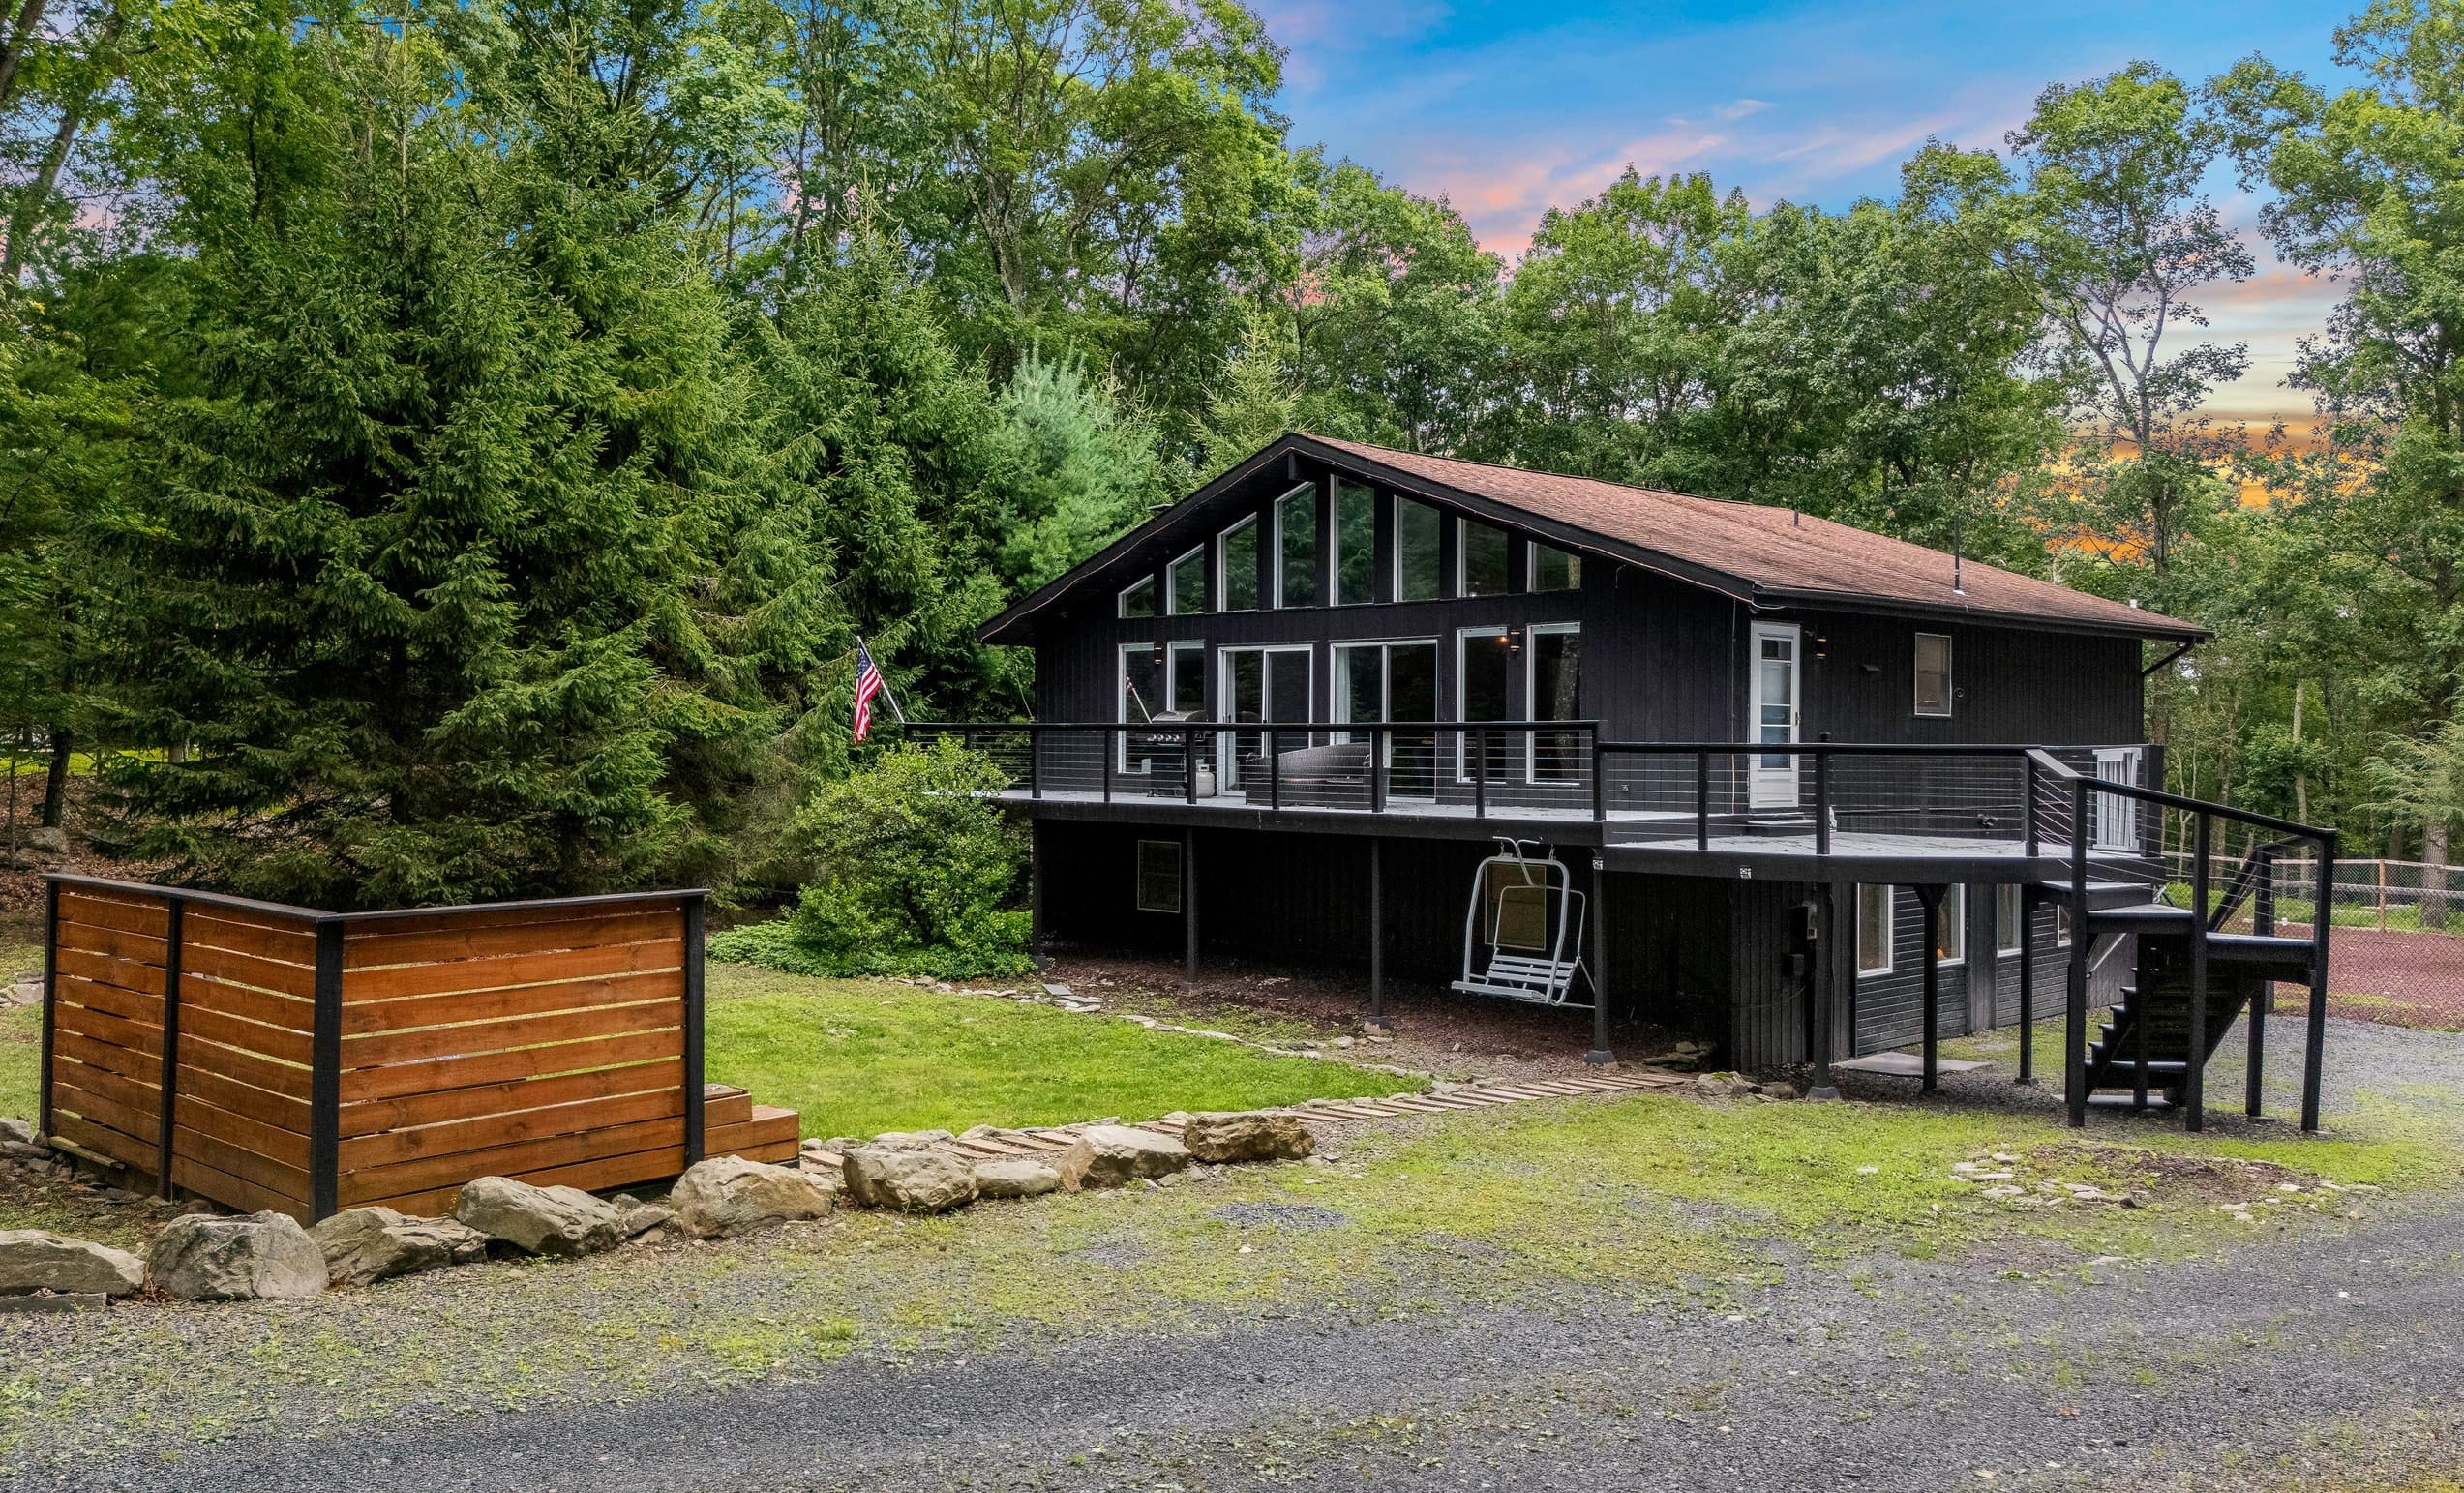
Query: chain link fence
[2396,954]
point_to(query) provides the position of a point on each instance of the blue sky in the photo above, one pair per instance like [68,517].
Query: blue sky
[1508,108]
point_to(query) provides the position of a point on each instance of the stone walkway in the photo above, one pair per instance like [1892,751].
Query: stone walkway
[987,1142]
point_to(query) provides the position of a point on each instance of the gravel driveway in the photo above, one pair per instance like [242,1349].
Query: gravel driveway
[2319,1354]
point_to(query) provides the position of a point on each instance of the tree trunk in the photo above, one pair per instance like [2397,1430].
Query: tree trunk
[2300,779]
[2434,875]
[55,785]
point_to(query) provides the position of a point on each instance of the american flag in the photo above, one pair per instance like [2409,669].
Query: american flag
[868,683]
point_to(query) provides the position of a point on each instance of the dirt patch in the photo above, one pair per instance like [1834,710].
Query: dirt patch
[2171,1176]
[53,1195]
[1434,1030]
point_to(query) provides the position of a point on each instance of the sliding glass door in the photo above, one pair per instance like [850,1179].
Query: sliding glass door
[1261,687]
[1393,681]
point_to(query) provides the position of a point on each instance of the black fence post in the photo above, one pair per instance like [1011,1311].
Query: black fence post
[2194,1077]
[694,1132]
[1188,763]
[50,1001]
[1600,1056]
[2027,811]
[1822,802]
[1274,772]
[2027,984]
[325,1075]
[1480,775]
[1035,762]
[1377,934]
[2315,1043]
[1702,800]
[1105,740]
[1929,899]
[1380,740]
[166,1095]
[2075,1026]
[1599,780]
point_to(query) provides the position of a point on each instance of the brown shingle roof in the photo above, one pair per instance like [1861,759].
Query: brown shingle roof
[1783,556]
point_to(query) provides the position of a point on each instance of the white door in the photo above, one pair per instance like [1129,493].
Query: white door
[2117,817]
[1771,781]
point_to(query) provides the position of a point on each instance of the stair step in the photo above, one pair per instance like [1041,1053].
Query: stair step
[1779,827]
[2155,917]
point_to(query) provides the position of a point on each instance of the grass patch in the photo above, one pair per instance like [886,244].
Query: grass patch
[860,1057]
[20,1059]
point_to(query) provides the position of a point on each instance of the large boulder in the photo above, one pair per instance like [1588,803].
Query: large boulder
[728,1194]
[367,1244]
[1016,1177]
[1117,1155]
[909,1178]
[38,1260]
[255,1256]
[1247,1135]
[539,1220]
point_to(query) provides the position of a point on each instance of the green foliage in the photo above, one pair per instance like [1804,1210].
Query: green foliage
[1079,469]
[910,868]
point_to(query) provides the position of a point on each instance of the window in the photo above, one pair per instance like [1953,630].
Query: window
[1296,583]
[1188,596]
[1417,576]
[2062,925]
[1872,929]
[1158,875]
[1187,666]
[1555,570]
[1932,674]
[1236,588]
[1483,663]
[2011,919]
[1141,696]
[1950,927]
[1355,540]
[1260,686]
[1481,564]
[1139,600]
[1555,660]
[1393,681]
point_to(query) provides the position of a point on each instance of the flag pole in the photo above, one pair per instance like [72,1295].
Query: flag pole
[865,647]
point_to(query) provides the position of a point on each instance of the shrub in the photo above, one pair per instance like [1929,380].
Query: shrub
[911,867]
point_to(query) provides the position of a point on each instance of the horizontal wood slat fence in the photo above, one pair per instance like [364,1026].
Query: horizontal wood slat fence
[270,1057]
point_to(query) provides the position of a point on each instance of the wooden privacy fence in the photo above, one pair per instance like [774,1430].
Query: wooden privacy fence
[271,1056]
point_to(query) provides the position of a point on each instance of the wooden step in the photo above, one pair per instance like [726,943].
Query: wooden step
[725,1104]
[765,1134]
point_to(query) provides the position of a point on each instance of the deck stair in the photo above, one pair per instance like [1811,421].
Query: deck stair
[2144,1044]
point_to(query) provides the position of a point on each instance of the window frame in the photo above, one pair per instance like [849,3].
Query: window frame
[1120,600]
[1916,678]
[1532,632]
[1889,927]
[1437,589]
[1172,581]
[2011,895]
[1335,540]
[1276,509]
[1463,699]
[2062,925]
[1463,527]
[1138,877]
[1173,653]
[1223,558]
[1950,925]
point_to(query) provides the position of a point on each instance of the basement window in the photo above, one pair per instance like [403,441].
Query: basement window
[1872,929]
[2011,919]
[1158,875]
[1932,674]
[1950,929]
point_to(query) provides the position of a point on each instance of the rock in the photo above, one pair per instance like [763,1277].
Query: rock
[1780,1088]
[55,1301]
[642,1217]
[1123,1153]
[52,841]
[363,1245]
[15,1129]
[1246,1137]
[1723,1086]
[729,1195]
[910,1137]
[561,1221]
[909,1178]
[255,1256]
[38,1260]
[1016,1177]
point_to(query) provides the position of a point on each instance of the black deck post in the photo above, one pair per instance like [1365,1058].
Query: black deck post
[325,1074]
[1377,934]
[2315,1040]
[2075,1028]
[1036,891]
[2194,1076]
[1379,739]
[2027,809]
[1189,899]
[693,1046]
[1599,780]
[1821,803]
[1035,762]
[50,1001]
[2027,984]
[1930,898]
[1480,775]
[1109,744]
[1825,970]
[166,1097]
[1600,1055]
[1702,800]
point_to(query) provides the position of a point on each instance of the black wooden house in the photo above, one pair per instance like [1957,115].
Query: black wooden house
[1813,791]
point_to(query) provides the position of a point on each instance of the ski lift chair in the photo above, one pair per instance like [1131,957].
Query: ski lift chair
[1522,938]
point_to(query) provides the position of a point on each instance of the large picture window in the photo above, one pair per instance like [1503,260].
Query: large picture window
[1355,539]
[1236,587]
[1418,573]
[1554,651]
[1296,577]
[1873,930]
[1482,561]
[1932,674]
[1186,596]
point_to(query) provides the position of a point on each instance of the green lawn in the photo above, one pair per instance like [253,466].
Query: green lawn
[20,1059]
[860,1056]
